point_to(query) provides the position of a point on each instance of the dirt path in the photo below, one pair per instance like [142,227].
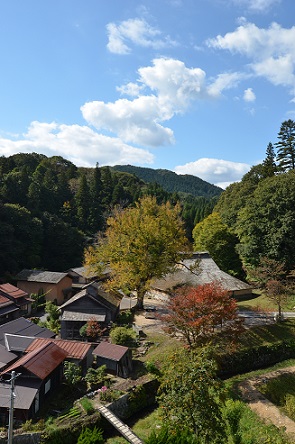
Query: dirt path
[262,406]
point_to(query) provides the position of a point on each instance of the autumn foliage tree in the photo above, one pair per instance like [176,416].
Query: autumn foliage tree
[202,314]
[91,329]
[140,243]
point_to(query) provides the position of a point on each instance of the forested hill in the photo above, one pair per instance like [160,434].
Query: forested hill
[172,182]
[50,208]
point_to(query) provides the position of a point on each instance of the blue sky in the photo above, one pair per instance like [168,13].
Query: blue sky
[194,86]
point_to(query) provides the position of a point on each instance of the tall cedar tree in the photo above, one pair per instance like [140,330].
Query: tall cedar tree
[269,164]
[202,314]
[286,146]
[140,243]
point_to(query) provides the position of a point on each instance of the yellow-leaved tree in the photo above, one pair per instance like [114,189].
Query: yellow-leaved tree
[140,243]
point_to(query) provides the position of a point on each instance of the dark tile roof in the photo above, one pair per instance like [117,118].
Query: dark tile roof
[110,351]
[6,357]
[17,343]
[95,291]
[24,395]
[7,308]
[49,277]
[85,272]
[74,349]
[24,327]
[40,362]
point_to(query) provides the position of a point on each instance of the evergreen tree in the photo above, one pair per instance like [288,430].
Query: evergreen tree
[286,146]
[83,203]
[269,164]
[95,216]
[107,180]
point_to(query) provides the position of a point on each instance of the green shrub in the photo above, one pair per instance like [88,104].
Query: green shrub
[88,436]
[152,368]
[290,406]
[96,377]
[254,358]
[123,336]
[87,406]
[125,318]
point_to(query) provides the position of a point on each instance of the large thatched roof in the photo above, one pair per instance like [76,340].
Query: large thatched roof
[206,272]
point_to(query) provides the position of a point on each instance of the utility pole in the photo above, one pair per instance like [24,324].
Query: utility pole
[12,396]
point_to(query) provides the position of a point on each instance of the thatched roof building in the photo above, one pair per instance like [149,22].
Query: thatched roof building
[200,269]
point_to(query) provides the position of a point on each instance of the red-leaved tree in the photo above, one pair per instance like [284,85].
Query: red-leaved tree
[203,314]
[93,329]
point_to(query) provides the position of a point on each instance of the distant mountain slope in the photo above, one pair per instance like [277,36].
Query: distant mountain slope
[173,182]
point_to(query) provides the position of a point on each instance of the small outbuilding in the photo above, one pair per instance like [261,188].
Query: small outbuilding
[118,359]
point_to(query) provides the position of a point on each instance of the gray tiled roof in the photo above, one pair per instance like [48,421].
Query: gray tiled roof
[24,327]
[50,277]
[82,316]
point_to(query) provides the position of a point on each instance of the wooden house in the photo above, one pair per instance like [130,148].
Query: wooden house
[8,310]
[91,303]
[38,373]
[57,287]
[18,297]
[77,352]
[23,327]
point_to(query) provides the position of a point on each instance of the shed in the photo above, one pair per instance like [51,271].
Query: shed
[118,359]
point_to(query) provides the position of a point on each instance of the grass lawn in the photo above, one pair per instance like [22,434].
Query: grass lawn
[261,302]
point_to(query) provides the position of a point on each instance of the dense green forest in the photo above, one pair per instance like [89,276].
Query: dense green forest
[259,211]
[173,182]
[50,209]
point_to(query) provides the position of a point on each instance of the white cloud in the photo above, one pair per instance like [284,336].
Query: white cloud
[79,144]
[137,32]
[172,87]
[217,171]
[257,5]
[224,81]
[249,95]
[131,89]
[271,51]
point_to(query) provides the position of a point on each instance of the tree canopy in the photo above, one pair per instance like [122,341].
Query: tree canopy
[266,224]
[140,243]
[213,235]
[190,396]
[286,145]
[202,314]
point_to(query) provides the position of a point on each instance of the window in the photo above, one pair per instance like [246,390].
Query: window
[47,386]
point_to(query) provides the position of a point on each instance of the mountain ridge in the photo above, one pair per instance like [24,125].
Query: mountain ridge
[172,182]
